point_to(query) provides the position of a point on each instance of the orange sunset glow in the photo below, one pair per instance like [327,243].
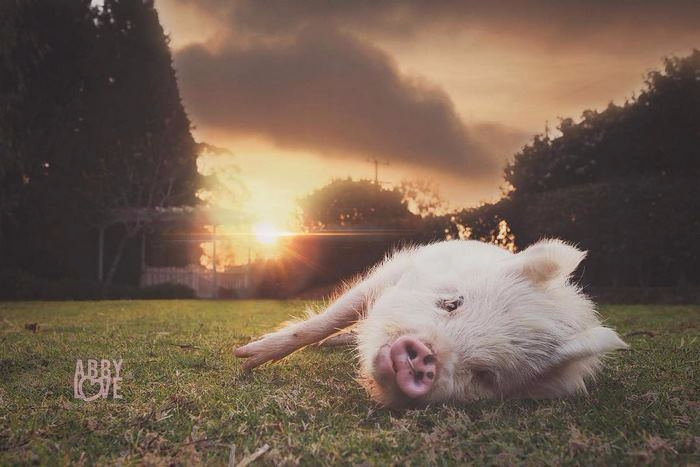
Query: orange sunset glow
[446,91]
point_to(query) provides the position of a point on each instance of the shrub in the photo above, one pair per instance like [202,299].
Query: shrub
[19,285]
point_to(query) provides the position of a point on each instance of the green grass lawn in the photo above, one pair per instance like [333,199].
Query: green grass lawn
[185,400]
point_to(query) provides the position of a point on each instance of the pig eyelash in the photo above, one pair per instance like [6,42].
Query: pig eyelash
[451,304]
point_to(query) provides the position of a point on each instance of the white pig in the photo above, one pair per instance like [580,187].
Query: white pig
[461,320]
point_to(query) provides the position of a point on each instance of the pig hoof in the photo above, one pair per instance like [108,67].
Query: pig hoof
[269,348]
[253,353]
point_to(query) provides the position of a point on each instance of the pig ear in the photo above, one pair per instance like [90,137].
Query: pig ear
[547,260]
[594,341]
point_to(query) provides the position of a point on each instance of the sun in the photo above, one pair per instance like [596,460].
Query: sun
[266,233]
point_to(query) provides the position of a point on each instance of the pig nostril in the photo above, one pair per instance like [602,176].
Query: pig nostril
[429,359]
[411,352]
[430,375]
[419,375]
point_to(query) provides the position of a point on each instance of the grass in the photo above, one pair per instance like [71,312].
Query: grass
[185,401]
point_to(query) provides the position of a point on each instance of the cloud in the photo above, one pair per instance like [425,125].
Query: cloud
[309,74]
[328,92]
[604,25]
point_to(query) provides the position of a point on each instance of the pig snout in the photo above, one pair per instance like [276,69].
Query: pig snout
[413,364]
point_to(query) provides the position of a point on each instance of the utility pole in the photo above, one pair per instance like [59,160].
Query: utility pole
[377,162]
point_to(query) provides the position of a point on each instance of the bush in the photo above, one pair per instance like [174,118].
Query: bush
[645,295]
[639,232]
[19,285]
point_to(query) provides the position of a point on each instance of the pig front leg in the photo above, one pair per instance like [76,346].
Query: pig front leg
[342,339]
[341,314]
[345,311]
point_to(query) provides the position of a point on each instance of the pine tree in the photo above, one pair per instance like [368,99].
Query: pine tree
[44,65]
[91,126]
[145,156]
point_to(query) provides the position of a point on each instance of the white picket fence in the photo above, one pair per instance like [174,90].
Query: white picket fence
[199,279]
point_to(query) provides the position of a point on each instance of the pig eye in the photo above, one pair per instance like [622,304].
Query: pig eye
[452,304]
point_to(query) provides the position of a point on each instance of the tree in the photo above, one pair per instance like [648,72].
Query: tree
[45,67]
[654,133]
[91,128]
[422,197]
[349,203]
[144,156]
[486,223]
[621,183]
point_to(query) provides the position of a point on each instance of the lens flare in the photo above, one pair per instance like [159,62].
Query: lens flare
[266,233]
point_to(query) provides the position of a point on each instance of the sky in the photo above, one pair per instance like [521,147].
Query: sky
[305,91]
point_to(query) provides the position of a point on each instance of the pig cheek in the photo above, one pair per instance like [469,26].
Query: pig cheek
[371,336]
[449,380]
[381,387]
[443,388]
[370,378]
[384,395]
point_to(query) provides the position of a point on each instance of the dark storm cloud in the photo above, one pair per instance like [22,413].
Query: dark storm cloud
[606,25]
[333,94]
[306,74]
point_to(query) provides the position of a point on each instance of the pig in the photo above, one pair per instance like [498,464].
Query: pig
[461,320]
